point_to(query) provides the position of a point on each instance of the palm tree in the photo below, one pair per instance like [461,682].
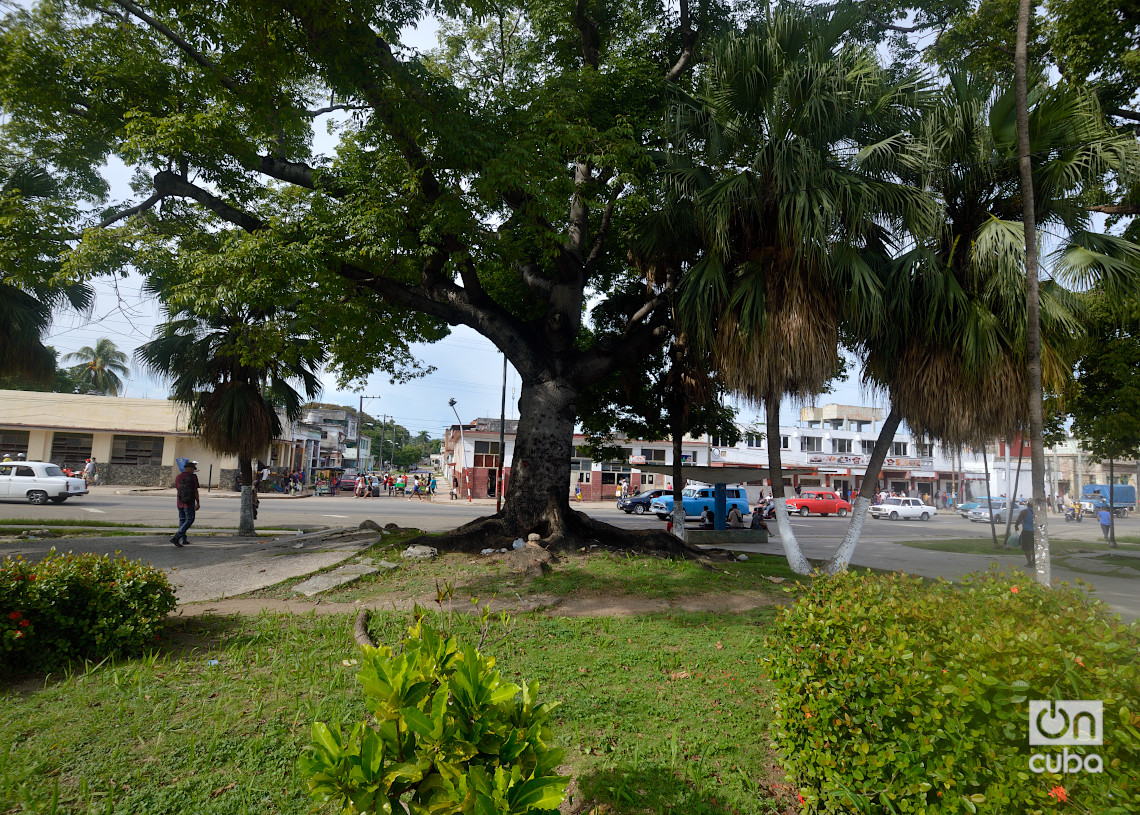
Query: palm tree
[28,297]
[236,404]
[951,351]
[100,369]
[784,213]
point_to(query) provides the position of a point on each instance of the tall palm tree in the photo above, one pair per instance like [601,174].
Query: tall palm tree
[236,405]
[28,297]
[784,213]
[100,369]
[951,352]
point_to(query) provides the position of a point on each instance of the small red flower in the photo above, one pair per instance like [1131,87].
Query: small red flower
[24,623]
[15,615]
[1059,794]
[800,796]
[1080,662]
[19,634]
[1014,589]
[31,577]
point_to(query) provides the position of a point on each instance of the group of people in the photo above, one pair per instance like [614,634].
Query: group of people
[369,485]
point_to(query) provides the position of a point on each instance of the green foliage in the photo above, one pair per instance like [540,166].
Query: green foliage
[69,607]
[446,736]
[896,695]
[1107,386]
[100,368]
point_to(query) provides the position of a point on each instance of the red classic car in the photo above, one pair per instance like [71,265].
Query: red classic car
[818,502]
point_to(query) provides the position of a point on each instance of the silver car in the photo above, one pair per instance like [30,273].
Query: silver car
[982,513]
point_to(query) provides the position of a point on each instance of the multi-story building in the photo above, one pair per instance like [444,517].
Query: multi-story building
[339,427]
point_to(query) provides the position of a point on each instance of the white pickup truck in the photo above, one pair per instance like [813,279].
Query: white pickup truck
[895,508]
[37,482]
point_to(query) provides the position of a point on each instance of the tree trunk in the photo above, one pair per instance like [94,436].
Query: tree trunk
[796,560]
[842,557]
[1032,299]
[677,429]
[540,486]
[1016,482]
[1112,503]
[989,496]
[245,513]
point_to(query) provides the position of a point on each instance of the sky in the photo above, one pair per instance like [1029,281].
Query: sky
[468,367]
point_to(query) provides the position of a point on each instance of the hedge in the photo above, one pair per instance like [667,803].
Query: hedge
[899,695]
[78,607]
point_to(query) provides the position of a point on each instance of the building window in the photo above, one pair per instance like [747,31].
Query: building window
[811,444]
[578,464]
[486,454]
[70,448]
[13,442]
[584,476]
[841,445]
[923,450]
[868,446]
[137,450]
[653,455]
[785,443]
[718,441]
[754,440]
[615,468]
[609,478]
[898,448]
[649,479]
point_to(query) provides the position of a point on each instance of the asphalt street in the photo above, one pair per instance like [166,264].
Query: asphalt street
[219,565]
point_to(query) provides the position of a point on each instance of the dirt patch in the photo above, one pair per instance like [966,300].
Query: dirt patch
[597,606]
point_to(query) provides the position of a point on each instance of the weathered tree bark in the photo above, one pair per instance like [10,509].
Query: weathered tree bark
[677,428]
[1032,297]
[796,560]
[1112,503]
[989,495]
[1016,482]
[246,526]
[842,557]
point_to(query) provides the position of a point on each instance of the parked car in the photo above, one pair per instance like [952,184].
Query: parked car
[982,513]
[818,502]
[641,503]
[895,508]
[696,500]
[37,482]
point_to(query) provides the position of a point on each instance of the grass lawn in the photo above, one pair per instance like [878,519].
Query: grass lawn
[661,714]
[985,546]
[575,575]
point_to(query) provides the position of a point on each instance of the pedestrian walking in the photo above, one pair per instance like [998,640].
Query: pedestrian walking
[1025,524]
[90,471]
[431,489]
[1105,518]
[187,500]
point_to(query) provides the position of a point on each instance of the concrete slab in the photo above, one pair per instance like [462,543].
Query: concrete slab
[340,576]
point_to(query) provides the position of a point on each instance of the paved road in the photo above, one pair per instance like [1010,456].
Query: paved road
[221,565]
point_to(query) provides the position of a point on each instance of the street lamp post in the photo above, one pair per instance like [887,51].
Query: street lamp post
[463,445]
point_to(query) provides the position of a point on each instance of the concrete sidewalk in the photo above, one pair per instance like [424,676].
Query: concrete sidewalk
[1121,594]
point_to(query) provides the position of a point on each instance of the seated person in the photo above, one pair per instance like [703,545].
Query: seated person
[706,519]
[758,519]
[735,518]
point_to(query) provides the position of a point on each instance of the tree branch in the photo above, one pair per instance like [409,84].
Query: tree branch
[1126,114]
[135,210]
[1121,209]
[167,183]
[313,114]
[603,228]
[688,44]
[535,282]
[182,45]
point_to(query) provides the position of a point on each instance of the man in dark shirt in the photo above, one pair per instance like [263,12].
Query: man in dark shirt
[186,492]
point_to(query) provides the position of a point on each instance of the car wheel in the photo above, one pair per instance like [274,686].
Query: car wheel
[842,513]
[804,512]
[662,517]
[925,516]
[59,499]
[639,509]
[37,497]
[894,516]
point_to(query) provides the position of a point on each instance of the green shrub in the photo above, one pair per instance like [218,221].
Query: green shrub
[897,695]
[81,606]
[446,736]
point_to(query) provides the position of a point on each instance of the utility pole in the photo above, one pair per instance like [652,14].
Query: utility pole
[502,440]
[359,425]
[463,447]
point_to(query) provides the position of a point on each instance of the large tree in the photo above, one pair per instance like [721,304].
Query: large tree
[492,187]
[101,368]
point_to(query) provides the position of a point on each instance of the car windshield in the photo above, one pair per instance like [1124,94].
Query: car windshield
[690,492]
[52,471]
[898,502]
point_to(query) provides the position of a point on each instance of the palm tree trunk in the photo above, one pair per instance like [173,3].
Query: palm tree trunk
[796,560]
[245,513]
[989,495]
[1112,503]
[1016,481]
[1032,301]
[842,557]
[677,430]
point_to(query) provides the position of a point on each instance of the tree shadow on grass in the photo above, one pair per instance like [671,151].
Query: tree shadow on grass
[660,789]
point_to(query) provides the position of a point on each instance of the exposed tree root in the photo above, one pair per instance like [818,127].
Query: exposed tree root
[564,532]
[360,629]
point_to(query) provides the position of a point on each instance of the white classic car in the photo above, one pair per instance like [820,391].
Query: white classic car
[895,508]
[37,482]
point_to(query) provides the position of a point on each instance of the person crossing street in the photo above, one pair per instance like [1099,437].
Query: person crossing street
[188,502]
